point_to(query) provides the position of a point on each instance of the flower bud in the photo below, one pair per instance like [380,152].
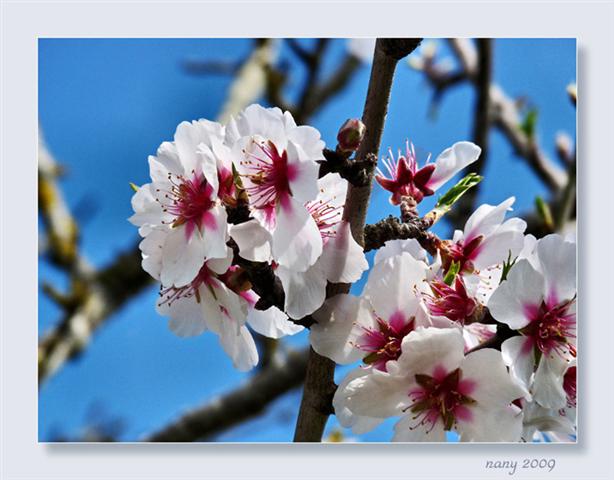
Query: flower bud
[350,135]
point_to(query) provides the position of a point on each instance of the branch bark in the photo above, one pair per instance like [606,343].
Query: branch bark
[319,382]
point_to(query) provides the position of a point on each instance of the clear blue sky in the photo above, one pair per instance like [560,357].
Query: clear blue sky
[105,105]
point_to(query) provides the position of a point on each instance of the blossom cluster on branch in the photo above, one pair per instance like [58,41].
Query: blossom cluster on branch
[421,327]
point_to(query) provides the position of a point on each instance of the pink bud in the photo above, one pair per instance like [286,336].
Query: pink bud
[350,135]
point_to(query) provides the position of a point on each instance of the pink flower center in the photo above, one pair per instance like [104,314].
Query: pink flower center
[569,385]
[552,326]
[463,252]
[189,201]
[442,396]
[269,174]
[405,178]
[326,217]
[383,342]
[170,295]
[450,302]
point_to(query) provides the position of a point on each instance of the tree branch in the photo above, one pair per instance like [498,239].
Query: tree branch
[319,382]
[244,403]
[504,111]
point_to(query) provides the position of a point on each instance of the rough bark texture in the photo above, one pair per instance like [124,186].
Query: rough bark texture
[319,383]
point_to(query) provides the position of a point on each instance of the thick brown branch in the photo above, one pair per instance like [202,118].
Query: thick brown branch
[319,385]
[245,402]
[392,228]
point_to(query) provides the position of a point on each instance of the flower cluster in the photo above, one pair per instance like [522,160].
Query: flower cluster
[261,159]
[422,328]
[420,317]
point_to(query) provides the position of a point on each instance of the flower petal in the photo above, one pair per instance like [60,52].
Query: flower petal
[297,243]
[343,260]
[518,354]
[338,325]
[451,161]
[272,323]
[305,291]
[359,424]
[408,430]
[396,247]
[240,347]
[254,241]
[182,258]
[524,287]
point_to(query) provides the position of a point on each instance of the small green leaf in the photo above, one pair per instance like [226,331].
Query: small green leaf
[544,212]
[529,124]
[451,273]
[134,186]
[507,266]
[457,191]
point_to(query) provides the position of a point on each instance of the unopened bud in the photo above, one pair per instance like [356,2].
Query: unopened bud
[350,135]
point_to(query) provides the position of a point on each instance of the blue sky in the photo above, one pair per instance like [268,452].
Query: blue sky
[105,105]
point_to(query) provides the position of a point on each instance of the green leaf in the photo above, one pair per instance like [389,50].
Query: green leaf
[529,124]
[134,186]
[451,273]
[544,212]
[507,266]
[457,191]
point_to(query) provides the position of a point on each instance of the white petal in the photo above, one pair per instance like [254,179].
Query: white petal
[147,212]
[168,157]
[492,425]
[524,287]
[359,424]
[518,354]
[493,385]
[222,264]
[396,247]
[297,243]
[408,430]
[189,136]
[268,123]
[377,395]
[151,249]
[272,323]
[332,190]
[343,260]
[506,242]
[254,241]
[426,348]
[392,285]
[548,384]
[309,140]
[240,346]
[557,259]
[304,292]
[302,173]
[451,161]
[486,219]
[187,316]
[215,233]
[338,325]
[182,258]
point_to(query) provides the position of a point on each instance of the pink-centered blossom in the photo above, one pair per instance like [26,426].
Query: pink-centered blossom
[182,202]
[538,299]
[342,259]
[218,299]
[487,239]
[277,163]
[405,178]
[433,387]
[371,328]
